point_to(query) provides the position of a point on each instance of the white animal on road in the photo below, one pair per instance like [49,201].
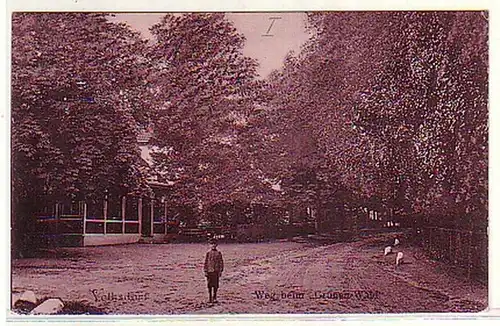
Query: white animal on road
[396,242]
[387,250]
[399,258]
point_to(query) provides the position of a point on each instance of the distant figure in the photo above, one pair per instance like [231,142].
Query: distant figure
[214,265]
[399,258]
[387,250]
[396,242]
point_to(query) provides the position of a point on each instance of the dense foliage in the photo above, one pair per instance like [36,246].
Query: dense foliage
[79,92]
[397,104]
[380,109]
[78,95]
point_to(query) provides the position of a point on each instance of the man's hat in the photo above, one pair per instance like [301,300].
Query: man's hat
[212,241]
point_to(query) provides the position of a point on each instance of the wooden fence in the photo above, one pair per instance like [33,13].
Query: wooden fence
[467,249]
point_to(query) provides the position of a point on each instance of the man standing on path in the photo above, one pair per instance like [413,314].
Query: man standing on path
[214,265]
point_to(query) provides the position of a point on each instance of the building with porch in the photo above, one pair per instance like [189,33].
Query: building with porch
[112,220]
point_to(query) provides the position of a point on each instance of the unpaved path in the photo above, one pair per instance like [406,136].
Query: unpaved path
[277,277]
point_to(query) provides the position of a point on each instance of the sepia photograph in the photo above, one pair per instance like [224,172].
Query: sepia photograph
[211,163]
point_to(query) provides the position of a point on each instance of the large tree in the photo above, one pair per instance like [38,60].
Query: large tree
[313,97]
[429,108]
[79,92]
[395,103]
[206,93]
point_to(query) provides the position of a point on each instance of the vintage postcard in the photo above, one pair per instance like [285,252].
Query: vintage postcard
[234,162]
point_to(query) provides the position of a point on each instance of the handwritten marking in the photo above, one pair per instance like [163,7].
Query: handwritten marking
[272,19]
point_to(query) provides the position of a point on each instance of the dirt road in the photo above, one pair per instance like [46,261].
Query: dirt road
[277,277]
